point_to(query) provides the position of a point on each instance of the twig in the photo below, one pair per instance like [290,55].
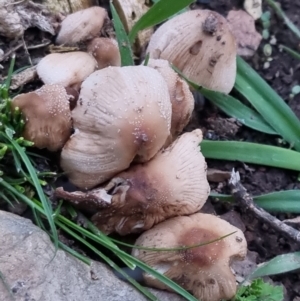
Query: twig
[8,53]
[26,51]
[245,200]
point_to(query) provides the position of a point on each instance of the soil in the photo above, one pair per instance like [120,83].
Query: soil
[283,73]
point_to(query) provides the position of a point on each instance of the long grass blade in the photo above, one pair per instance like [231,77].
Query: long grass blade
[134,260]
[122,38]
[251,153]
[158,13]
[280,201]
[38,187]
[290,51]
[278,265]
[143,290]
[268,103]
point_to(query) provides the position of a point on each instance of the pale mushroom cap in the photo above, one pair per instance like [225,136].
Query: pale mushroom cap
[105,51]
[125,112]
[204,270]
[47,116]
[200,44]
[173,183]
[68,69]
[81,25]
[181,97]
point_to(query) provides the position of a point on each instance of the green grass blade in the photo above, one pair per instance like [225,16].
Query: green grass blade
[81,257]
[280,201]
[158,13]
[38,187]
[268,103]
[278,265]
[234,108]
[134,260]
[122,38]
[290,51]
[251,153]
[143,290]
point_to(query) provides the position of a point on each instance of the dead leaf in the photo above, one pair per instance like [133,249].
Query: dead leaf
[243,28]
[215,175]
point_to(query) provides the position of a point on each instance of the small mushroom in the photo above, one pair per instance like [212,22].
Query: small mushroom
[181,97]
[69,69]
[201,45]
[123,114]
[47,116]
[105,51]
[172,183]
[204,270]
[81,26]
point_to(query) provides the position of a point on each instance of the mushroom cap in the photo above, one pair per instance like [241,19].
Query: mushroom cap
[200,44]
[81,26]
[181,97]
[205,270]
[67,69]
[47,116]
[105,51]
[168,185]
[123,114]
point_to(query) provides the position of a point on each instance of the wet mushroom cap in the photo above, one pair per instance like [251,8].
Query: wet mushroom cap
[204,270]
[105,51]
[68,69]
[123,114]
[200,44]
[47,116]
[81,26]
[166,186]
[181,97]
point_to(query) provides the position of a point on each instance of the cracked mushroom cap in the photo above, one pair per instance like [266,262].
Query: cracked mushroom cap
[123,114]
[105,51]
[68,69]
[181,97]
[205,270]
[172,183]
[82,25]
[200,44]
[47,116]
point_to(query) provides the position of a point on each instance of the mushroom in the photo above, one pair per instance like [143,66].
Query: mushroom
[204,270]
[68,69]
[201,45]
[105,51]
[81,26]
[47,116]
[123,114]
[172,183]
[181,97]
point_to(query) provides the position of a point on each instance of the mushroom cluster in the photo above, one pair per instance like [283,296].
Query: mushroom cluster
[119,131]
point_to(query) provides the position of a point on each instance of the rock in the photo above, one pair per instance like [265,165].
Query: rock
[27,270]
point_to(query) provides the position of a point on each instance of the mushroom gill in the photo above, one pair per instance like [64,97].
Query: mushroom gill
[172,183]
[123,114]
[204,270]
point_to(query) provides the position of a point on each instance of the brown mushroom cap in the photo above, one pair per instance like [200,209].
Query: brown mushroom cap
[181,97]
[203,270]
[105,51]
[123,114]
[68,69]
[47,116]
[81,26]
[172,183]
[200,44]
